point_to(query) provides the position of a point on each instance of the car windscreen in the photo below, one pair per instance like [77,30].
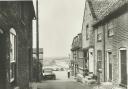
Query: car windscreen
[47,71]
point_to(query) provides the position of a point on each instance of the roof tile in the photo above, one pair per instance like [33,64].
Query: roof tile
[99,7]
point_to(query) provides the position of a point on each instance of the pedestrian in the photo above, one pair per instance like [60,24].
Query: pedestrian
[68,73]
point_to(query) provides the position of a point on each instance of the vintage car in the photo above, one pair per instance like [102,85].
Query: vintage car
[48,74]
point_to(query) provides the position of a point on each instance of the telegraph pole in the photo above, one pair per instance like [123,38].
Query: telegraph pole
[37,40]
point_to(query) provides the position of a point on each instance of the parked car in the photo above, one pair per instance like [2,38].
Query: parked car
[62,69]
[48,74]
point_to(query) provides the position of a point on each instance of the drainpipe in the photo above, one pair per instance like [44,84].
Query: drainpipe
[37,40]
[104,51]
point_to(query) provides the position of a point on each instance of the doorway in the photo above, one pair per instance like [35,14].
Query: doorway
[123,67]
[109,66]
[91,60]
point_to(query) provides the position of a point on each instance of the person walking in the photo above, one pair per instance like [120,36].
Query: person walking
[68,73]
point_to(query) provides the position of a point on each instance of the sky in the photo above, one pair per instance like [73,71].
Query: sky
[59,22]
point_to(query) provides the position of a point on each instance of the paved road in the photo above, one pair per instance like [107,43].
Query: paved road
[61,75]
[62,85]
[62,82]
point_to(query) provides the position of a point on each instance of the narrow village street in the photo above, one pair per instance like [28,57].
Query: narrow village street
[64,44]
[61,82]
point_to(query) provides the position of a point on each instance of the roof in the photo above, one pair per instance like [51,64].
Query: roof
[98,7]
[77,42]
[77,36]
[106,7]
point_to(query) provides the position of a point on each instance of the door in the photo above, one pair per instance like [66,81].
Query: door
[91,61]
[123,61]
[110,66]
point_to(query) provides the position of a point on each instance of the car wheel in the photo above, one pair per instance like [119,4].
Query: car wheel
[54,78]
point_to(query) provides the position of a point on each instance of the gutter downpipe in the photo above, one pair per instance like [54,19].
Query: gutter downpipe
[37,40]
[104,49]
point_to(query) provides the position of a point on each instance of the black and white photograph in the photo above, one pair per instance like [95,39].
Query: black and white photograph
[63,44]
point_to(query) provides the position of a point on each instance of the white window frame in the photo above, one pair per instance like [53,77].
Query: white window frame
[13,57]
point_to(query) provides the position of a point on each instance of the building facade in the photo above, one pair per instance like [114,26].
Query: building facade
[16,44]
[104,41]
[37,65]
[111,43]
[87,37]
[77,55]
[91,38]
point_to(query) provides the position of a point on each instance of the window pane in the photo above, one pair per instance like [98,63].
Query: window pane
[99,37]
[12,54]
[110,32]
[99,58]
[11,47]
[99,34]
[99,55]
[12,71]
[110,25]
[110,28]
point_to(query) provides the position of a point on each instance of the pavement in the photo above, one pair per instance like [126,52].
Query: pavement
[61,82]
[108,85]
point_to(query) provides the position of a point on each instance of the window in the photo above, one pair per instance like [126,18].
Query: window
[1,31]
[80,54]
[99,37]
[85,7]
[12,54]
[110,29]
[99,34]
[99,58]
[87,32]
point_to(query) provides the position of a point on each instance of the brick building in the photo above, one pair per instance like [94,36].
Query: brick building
[77,55]
[90,14]
[111,43]
[16,44]
[90,42]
